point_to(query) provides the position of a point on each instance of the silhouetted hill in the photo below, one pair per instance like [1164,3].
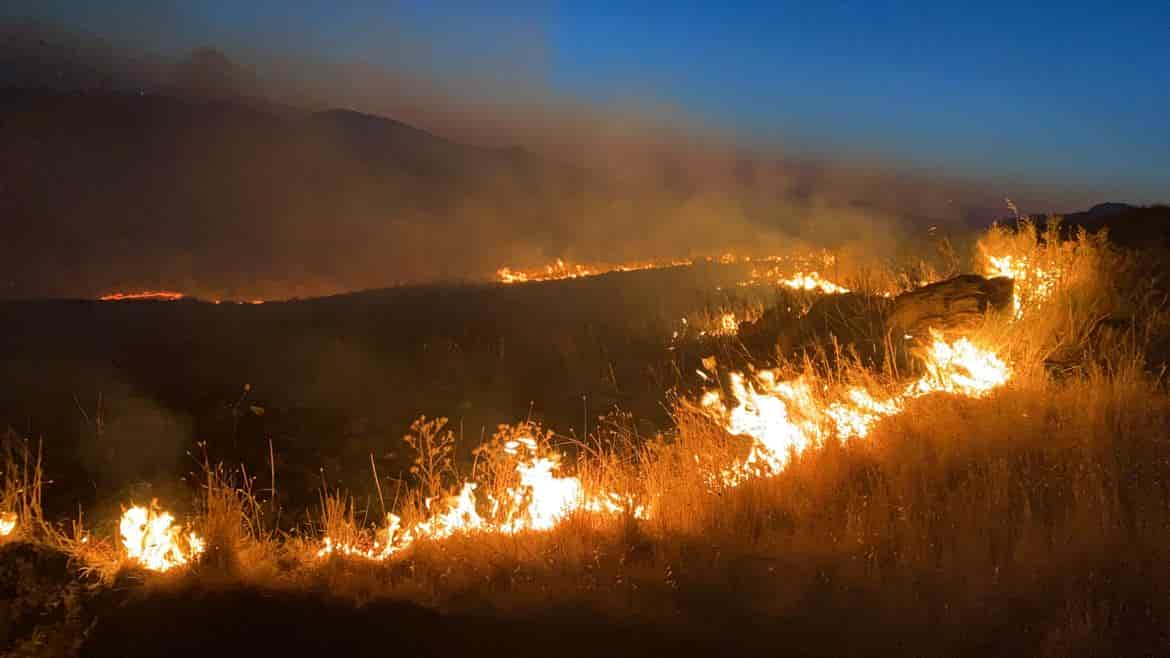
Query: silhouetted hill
[213,194]
[1131,226]
[1128,226]
[221,194]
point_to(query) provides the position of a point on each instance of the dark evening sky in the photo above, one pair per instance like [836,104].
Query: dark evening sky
[1077,94]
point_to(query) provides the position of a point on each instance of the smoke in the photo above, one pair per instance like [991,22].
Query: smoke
[224,176]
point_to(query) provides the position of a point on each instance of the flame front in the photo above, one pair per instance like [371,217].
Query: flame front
[813,281]
[151,538]
[786,417]
[540,501]
[7,523]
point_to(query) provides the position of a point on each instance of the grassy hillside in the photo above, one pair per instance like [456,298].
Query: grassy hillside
[969,514]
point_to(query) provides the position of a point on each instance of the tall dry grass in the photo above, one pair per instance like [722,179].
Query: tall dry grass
[23,479]
[1034,521]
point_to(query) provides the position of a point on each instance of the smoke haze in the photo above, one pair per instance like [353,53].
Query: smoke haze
[274,174]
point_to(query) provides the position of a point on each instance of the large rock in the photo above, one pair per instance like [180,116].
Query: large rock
[953,307]
[862,324]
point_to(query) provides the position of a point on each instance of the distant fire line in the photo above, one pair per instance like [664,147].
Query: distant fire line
[154,295]
[795,276]
[168,296]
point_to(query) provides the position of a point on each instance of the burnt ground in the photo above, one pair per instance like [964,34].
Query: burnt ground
[191,619]
[46,611]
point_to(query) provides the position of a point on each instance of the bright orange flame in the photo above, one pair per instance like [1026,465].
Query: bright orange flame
[1033,283]
[813,281]
[151,538]
[7,523]
[798,272]
[786,417]
[540,501]
[155,295]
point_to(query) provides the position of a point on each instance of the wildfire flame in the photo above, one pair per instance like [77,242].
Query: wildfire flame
[151,538]
[7,523]
[786,417]
[813,281]
[1032,283]
[540,501]
[155,295]
[780,272]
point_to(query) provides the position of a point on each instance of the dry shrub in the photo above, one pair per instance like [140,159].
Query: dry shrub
[434,446]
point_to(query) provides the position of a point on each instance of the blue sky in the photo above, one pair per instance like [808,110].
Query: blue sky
[1068,93]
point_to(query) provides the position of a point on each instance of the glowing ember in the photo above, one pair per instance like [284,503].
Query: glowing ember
[151,538]
[7,523]
[787,417]
[540,501]
[153,295]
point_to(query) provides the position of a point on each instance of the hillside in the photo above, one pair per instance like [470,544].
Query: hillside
[125,189]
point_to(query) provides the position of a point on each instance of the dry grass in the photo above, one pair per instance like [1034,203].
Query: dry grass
[241,541]
[20,495]
[1035,519]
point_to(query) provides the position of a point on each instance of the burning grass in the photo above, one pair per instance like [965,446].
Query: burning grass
[991,487]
